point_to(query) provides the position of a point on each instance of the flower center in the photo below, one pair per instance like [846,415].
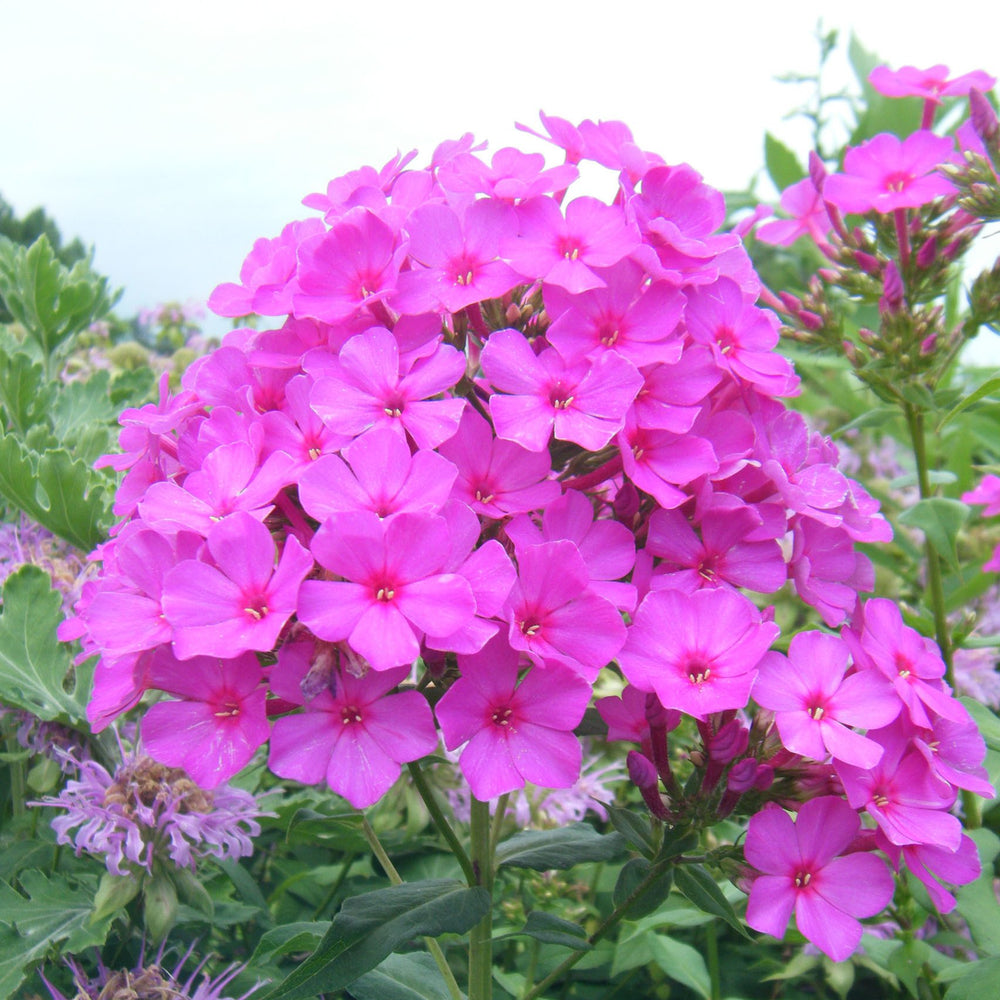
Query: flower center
[898,182]
[350,715]
[816,712]
[802,879]
[501,716]
[698,672]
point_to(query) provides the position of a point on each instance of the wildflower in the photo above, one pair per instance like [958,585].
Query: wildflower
[803,868]
[147,811]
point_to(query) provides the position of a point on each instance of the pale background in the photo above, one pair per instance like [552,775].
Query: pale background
[171,135]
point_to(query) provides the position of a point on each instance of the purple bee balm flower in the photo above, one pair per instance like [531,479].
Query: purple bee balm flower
[554,615]
[218,724]
[497,477]
[393,587]
[803,869]
[514,732]
[243,601]
[146,812]
[698,652]
[815,703]
[540,394]
[353,734]
[888,173]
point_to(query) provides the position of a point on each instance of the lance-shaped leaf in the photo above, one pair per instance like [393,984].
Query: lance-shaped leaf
[402,977]
[33,663]
[544,850]
[370,927]
[702,890]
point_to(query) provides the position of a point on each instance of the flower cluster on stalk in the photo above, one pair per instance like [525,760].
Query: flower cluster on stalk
[497,438]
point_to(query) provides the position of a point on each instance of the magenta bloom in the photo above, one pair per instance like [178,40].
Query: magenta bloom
[886,173]
[240,603]
[393,589]
[930,84]
[514,732]
[355,737]
[540,394]
[698,652]
[803,870]
[815,704]
[216,727]
[808,216]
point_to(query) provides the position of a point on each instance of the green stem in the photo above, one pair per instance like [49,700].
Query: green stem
[712,959]
[481,936]
[935,584]
[396,879]
[337,883]
[529,976]
[610,922]
[17,783]
[441,821]
[499,813]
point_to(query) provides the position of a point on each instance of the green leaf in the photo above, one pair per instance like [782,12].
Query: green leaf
[371,926]
[989,724]
[55,489]
[635,828]
[700,888]
[648,901]
[681,962]
[987,388]
[977,902]
[544,850]
[246,886]
[289,939]
[978,981]
[940,519]
[33,663]
[54,912]
[80,404]
[24,394]
[783,166]
[550,929]
[402,977]
[907,962]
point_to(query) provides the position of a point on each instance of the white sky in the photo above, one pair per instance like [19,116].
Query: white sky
[172,134]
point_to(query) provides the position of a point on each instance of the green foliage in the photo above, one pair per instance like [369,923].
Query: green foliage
[371,926]
[783,166]
[53,303]
[51,913]
[402,977]
[546,850]
[35,668]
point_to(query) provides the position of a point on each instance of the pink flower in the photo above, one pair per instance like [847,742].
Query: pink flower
[803,869]
[393,589]
[886,173]
[515,732]
[218,724]
[815,703]
[808,216]
[931,84]
[354,734]
[697,652]
[243,601]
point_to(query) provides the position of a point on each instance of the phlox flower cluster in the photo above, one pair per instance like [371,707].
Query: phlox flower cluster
[490,439]
[146,811]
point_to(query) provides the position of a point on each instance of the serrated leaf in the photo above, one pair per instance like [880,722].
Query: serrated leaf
[940,519]
[681,962]
[24,395]
[371,926]
[402,977]
[80,404]
[700,888]
[550,929]
[58,491]
[545,850]
[33,663]
[54,912]
[782,164]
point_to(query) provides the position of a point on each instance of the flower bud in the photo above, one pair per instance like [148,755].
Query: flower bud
[926,254]
[817,170]
[626,502]
[867,263]
[983,117]
[892,300]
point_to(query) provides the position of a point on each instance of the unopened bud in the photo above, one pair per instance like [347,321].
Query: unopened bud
[828,275]
[850,352]
[867,263]
[810,320]
[928,345]
[790,302]
[926,254]
[626,502]
[513,314]
[983,117]
[742,776]
[729,742]
[817,171]
[867,336]
[892,300]
[322,675]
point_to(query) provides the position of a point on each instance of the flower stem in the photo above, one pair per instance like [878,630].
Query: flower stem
[441,822]
[481,936]
[609,924]
[396,879]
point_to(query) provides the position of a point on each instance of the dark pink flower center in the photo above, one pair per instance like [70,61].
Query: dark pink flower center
[560,396]
[698,671]
[350,715]
[256,607]
[898,181]
[802,879]
[501,716]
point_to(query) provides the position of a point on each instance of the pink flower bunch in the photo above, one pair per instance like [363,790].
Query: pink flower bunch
[496,438]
